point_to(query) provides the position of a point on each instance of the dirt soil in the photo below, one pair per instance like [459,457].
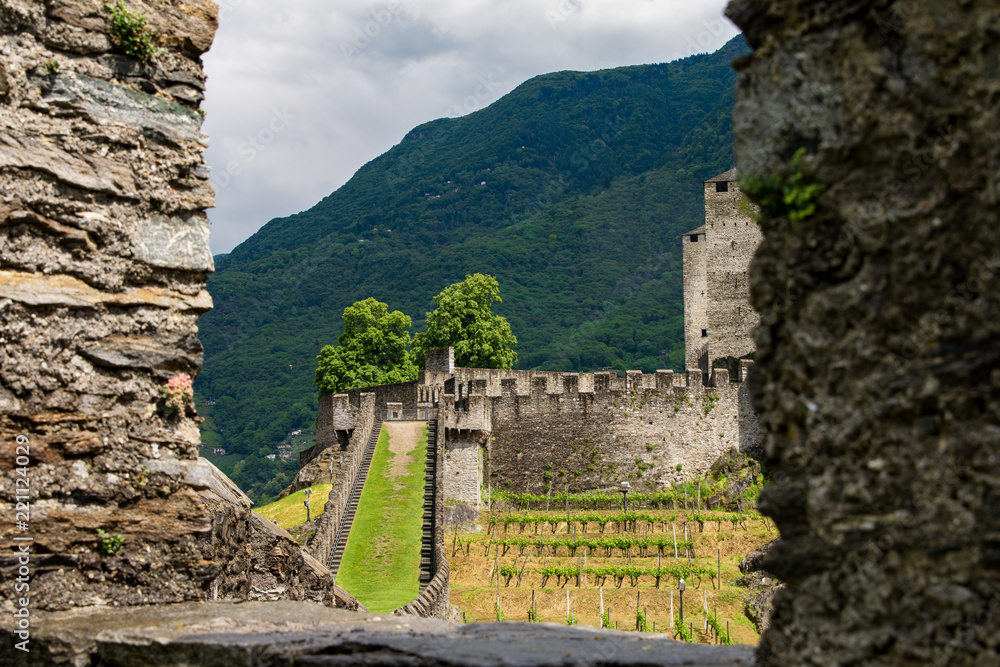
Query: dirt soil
[403,438]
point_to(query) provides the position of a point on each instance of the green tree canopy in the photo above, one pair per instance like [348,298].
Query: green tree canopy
[371,351]
[465,321]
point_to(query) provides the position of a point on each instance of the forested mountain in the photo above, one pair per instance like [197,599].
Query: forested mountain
[572,190]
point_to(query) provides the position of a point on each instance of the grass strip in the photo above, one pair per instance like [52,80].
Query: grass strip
[381,565]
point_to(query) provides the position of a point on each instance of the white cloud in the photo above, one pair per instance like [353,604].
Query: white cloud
[304,92]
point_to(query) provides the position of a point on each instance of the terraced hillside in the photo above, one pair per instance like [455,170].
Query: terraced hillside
[638,557]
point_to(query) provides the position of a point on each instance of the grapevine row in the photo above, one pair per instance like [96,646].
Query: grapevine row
[618,573]
[620,519]
[623,543]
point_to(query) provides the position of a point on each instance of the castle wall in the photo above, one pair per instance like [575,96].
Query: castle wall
[532,430]
[462,466]
[440,360]
[591,440]
[350,463]
[406,394]
[695,247]
[732,238]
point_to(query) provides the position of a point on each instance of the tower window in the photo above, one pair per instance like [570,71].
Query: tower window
[704,333]
[694,238]
[734,245]
[722,186]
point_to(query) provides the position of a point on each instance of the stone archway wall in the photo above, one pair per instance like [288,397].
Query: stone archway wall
[878,364]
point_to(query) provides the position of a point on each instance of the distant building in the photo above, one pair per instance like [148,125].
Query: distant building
[718,319]
[218,451]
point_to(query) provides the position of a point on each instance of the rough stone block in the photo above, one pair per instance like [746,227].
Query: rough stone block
[174,242]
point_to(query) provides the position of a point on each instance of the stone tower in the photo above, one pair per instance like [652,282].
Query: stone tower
[718,319]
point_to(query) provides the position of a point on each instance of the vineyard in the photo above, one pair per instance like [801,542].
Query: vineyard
[581,558]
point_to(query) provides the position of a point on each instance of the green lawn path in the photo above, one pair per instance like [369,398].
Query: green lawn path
[381,565]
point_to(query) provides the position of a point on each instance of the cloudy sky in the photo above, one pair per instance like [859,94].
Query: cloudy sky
[301,93]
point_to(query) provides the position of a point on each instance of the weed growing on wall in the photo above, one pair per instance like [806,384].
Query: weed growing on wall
[792,196]
[109,543]
[130,34]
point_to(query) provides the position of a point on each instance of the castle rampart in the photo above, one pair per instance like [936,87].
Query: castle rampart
[542,430]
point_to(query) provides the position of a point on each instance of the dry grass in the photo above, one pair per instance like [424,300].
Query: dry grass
[291,510]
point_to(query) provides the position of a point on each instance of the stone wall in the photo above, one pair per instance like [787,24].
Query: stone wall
[535,430]
[350,460]
[718,318]
[261,561]
[440,360]
[876,376]
[639,429]
[463,477]
[104,244]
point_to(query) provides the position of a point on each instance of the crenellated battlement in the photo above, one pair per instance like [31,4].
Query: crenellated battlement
[548,383]
[509,419]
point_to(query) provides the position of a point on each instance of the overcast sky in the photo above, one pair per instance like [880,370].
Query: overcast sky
[302,93]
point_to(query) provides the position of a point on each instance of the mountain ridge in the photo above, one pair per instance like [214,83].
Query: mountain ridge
[572,189]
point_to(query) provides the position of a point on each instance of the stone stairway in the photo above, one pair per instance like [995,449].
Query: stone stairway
[344,529]
[430,498]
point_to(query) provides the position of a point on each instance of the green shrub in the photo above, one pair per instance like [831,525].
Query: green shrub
[130,34]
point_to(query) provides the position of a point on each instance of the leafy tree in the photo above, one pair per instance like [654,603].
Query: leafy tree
[464,320]
[372,350]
